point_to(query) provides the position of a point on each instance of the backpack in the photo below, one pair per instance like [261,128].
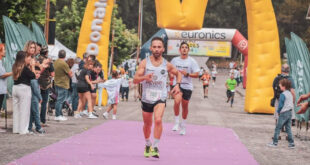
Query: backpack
[276,87]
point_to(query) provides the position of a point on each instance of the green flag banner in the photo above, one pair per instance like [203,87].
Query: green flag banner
[27,34]
[299,61]
[38,33]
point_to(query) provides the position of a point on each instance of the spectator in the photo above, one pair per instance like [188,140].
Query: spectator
[126,67]
[112,86]
[62,83]
[36,98]
[303,106]
[3,78]
[96,76]
[75,96]
[284,110]
[285,70]
[231,64]
[81,64]
[241,74]
[30,48]
[38,49]
[45,82]
[23,73]
[70,62]
[125,86]
[84,86]
[132,69]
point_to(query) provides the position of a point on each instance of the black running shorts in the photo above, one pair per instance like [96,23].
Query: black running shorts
[93,91]
[213,78]
[229,93]
[205,86]
[146,107]
[83,89]
[187,94]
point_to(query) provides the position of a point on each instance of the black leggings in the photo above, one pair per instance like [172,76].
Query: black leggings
[1,100]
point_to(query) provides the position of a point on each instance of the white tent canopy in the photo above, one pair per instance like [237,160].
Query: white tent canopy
[54,49]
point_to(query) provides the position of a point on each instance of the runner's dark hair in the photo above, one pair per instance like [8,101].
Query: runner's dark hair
[184,43]
[158,39]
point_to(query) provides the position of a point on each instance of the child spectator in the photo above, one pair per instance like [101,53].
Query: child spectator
[112,86]
[284,110]
[125,86]
[36,98]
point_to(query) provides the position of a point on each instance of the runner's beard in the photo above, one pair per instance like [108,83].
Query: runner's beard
[157,55]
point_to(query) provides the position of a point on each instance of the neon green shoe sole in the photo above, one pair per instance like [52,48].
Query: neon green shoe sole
[147,151]
[155,152]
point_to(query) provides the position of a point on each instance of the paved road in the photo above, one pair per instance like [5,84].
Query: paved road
[254,130]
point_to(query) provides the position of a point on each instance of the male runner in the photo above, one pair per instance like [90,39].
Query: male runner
[189,69]
[230,84]
[205,82]
[153,72]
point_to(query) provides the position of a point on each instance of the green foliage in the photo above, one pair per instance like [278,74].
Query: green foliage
[125,40]
[68,23]
[291,17]
[22,11]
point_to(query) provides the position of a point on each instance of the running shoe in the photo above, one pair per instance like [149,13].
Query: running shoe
[63,118]
[105,115]
[291,145]
[175,127]
[155,152]
[147,151]
[92,116]
[41,131]
[94,113]
[77,116]
[113,117]
[60,118]
[272,144]
[30,132]
[84,113]
[182,131]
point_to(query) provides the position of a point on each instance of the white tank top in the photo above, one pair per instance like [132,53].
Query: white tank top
[156,89]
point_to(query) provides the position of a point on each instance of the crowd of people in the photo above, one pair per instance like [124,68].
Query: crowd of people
[76,81]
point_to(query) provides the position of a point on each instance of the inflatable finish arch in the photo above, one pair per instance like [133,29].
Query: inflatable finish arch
[264,49]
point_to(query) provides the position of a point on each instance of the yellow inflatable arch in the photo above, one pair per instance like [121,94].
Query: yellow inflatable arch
[264,49]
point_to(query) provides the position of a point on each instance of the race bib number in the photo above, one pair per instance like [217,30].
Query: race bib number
[153,94]
[206,81]
[232,90]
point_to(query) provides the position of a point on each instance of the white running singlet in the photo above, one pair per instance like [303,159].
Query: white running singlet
[156,89]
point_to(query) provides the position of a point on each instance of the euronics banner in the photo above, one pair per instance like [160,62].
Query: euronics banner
[201,48]
[214,42]
[205,34]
